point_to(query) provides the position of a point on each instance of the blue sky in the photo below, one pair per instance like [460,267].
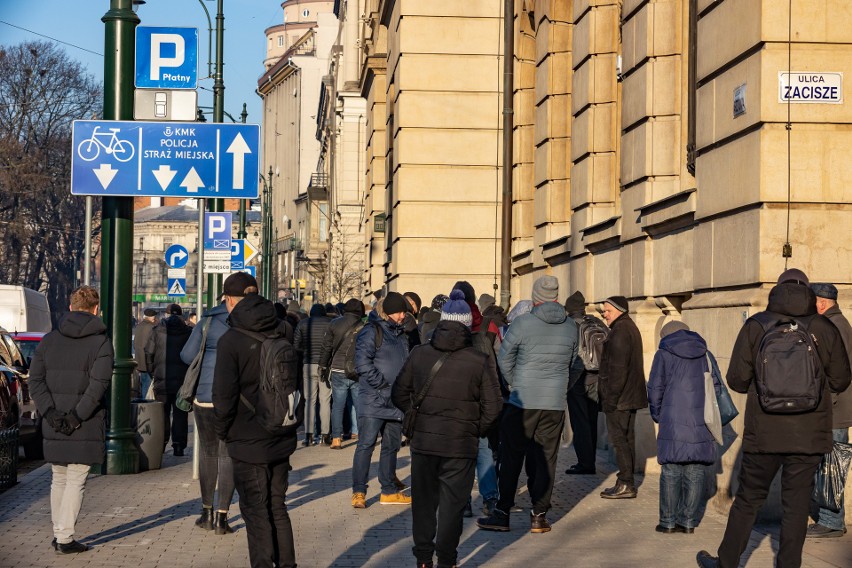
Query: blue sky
[78,22]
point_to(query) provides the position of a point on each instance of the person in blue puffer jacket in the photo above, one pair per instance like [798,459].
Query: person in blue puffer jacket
[684,443]
[214,462]
[377,369]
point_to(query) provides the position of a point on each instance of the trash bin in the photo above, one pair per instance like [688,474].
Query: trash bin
[148,421]
[8,457]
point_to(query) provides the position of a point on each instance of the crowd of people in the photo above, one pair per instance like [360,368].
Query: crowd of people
[478,394]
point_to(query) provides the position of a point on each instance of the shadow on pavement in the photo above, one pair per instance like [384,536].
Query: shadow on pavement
[136,526]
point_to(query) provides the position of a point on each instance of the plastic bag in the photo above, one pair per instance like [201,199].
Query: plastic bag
[830,478]
[712,418]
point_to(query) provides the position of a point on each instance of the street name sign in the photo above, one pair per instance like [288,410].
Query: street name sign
[164,104]
[810,87]
[166,58]
[165,159]
[177,256]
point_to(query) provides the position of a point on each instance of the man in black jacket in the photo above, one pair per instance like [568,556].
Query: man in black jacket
[622,391]
[162,356]
[308,340]
[140,338]
[261,460]
[582,411]
[335,345]
[793,443]
[69,375]
[461,404]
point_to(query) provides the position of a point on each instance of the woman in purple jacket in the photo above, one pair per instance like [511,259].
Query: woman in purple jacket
[684,443]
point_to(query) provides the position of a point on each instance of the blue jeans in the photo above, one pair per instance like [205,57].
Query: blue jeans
[144,383]
[827,517]
[681,486]
[486,472]
[341,390]
[369,429]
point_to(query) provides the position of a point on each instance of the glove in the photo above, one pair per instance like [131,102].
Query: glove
[72,423]
[56,419]
[325,376]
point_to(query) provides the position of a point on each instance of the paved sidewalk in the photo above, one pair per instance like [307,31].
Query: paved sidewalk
[147,520]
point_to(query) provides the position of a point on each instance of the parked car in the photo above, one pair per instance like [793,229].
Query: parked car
[13,359]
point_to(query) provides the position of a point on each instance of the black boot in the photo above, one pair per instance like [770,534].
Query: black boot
[221,523]
[326,440]
[309,440]
[205,521]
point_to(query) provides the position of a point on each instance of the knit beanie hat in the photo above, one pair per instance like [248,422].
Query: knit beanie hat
[618,302]
[576,302]
[823,290]
[394,303]
[354,306]
[794,276]
[438,301]
[545,289]
[416,298]
[672,327]
[467,289]
[486,301]
[456,309]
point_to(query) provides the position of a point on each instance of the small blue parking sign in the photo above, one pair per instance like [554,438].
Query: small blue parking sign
[166,58]
[217,232]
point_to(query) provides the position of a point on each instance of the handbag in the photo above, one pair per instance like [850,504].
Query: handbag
[411,414]
[830,477]
[727,410]
[712,417]
[186,394]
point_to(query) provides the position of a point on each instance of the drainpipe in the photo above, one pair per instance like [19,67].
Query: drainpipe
[508,119]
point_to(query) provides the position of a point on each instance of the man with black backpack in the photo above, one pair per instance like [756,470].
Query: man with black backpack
[256,368]
[338,356]
[788,360]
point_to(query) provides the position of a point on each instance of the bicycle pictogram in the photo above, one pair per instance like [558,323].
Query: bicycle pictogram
[90,149]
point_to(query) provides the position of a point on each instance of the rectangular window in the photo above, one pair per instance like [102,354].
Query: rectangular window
[281,41]
[323,222]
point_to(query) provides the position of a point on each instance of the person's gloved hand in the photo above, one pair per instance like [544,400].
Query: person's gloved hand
[72,422]
[56,419]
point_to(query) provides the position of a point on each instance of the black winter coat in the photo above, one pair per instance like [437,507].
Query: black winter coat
[162,355]
[309,335]
[808,433]
[621,380]
[842,410]
[71,370]
[463,401]
[338,337]
[238,372]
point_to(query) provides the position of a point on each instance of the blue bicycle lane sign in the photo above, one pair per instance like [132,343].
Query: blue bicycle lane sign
[165,159]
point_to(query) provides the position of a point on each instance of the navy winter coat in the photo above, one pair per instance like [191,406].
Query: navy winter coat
[217,326]
[377,370]
[676,396]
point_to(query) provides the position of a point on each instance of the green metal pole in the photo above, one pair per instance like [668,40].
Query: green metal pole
[117,242]
[267,264]
[241,234]
[214,281]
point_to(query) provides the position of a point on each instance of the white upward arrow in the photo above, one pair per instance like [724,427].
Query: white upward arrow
[164,176]
[192,181]
[105,174]
[239,149]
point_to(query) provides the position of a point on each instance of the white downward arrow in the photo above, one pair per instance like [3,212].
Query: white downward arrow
[105,174]
[239,149]
[192,181]
[164,176]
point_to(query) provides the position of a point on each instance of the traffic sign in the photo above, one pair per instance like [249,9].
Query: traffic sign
[177,256]
[212,266]
[242,252]
[177,287]
[165,159]
[217,236]
[164,104]
[251,269]
[166,58]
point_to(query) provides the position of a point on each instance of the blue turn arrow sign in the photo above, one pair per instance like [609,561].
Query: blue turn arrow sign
[166,159]
[177,256]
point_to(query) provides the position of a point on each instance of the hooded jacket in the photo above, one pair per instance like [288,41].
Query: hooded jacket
[378,369]
[463,401]
[309,334]
[807,433]
[216,321]
[238,372]
[676,397]
[428,324]
[71,370]
[538,356]
[621,377]
[162,355]
[841,412]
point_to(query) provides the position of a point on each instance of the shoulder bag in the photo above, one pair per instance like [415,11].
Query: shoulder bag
[186,394]
[411,414]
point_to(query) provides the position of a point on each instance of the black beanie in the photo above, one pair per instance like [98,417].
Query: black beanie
[354,306]
[618,302]
[469,294]
[394,303]
[416,298]
[575,303]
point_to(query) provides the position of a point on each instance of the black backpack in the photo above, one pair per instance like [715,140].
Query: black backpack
[349,361]
[789,374]
[280,407]
[593,334]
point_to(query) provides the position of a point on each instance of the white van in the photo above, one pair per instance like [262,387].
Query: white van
[22,309]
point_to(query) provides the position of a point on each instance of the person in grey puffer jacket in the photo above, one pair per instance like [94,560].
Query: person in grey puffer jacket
[214,462]
[538,356]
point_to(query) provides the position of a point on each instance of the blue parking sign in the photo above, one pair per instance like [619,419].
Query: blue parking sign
[217,232]
[166,58]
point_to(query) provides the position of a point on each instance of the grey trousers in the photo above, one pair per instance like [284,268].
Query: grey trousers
[66,498]
[315,390]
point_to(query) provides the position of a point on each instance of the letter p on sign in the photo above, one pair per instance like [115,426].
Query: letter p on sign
[159,60]
[166,58]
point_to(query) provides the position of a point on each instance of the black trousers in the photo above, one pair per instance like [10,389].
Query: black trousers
[534,435]
[439,485]
[621,426]
[176,421]
[263,490]
[583,416]
[756,475]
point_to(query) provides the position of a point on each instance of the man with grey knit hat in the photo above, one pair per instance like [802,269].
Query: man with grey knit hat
[538,356]
[621,388]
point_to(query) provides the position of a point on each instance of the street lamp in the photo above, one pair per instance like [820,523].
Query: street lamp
[266,229]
